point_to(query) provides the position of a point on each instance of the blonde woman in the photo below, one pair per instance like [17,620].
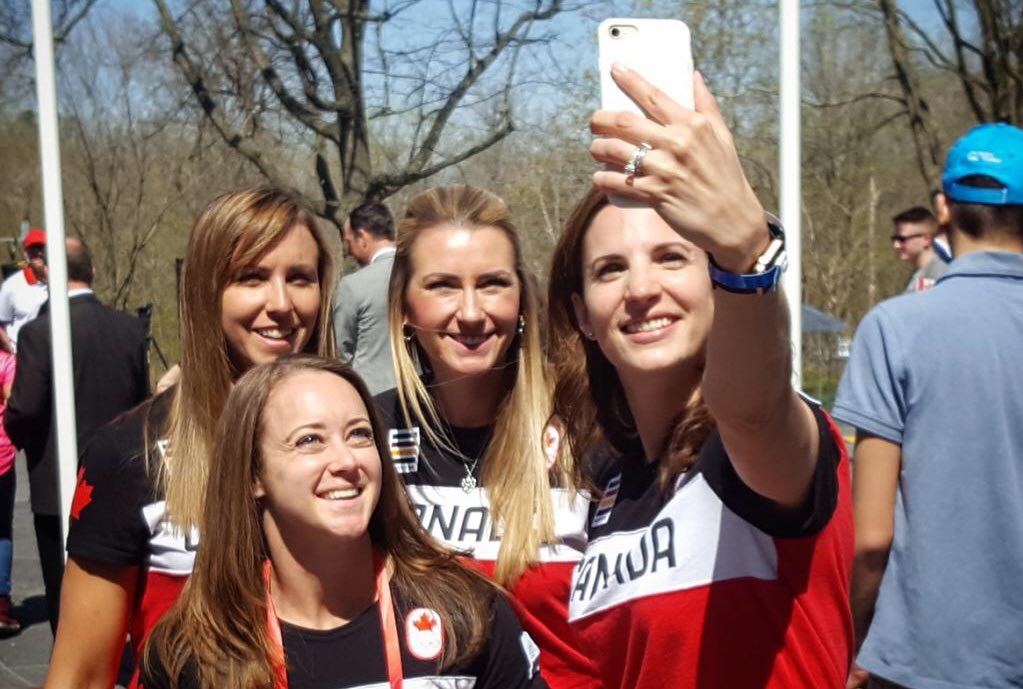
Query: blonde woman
[466,423]
[314,571]
[255,287]
[720,551]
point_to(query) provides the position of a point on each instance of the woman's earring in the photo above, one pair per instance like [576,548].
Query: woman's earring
[522,325]
[408,333]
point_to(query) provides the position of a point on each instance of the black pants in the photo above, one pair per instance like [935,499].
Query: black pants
[51,561]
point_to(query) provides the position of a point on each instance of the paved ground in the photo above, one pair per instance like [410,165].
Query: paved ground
[24,658]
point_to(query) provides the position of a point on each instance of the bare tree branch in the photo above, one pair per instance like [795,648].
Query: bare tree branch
[206,101]
[309,63]
[476,69]
[307,116]
[383,186]
[16,21]
[926,144]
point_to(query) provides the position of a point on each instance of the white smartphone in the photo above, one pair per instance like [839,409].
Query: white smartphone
[659,49]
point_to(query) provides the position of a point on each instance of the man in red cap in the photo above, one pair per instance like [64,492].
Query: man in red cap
[24,292]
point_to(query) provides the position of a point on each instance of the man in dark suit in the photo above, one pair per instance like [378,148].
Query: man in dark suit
[111,375]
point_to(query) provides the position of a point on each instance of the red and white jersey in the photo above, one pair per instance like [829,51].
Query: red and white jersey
[459,516]
[117,516]
[713,586]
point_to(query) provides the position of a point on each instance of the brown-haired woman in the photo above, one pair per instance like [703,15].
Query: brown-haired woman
[314,571]
[255,286]
[719,553]
[466,423]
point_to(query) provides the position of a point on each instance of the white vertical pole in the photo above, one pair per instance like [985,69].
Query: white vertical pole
[53,204]
[790,176]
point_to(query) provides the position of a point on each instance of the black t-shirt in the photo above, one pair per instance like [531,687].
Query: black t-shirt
[352,656]
[443,488]
[118,512]
[418,460]
[119,517]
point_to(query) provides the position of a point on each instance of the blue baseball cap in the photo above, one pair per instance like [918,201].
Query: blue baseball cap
[990,150]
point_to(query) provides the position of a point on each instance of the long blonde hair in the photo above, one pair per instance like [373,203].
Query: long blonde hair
[234,231]
[218,627]
[514,468]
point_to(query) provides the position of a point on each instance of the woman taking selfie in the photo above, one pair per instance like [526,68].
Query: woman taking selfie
[466,424]
[720,548]
[254,287]
[314,571]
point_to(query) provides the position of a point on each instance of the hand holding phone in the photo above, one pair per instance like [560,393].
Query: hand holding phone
[690,174]
[657,49]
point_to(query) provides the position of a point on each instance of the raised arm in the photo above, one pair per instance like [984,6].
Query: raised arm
[693,178]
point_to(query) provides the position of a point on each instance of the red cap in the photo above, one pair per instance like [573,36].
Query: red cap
[34,237]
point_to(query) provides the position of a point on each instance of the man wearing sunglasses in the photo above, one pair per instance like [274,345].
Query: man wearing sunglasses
[913,242]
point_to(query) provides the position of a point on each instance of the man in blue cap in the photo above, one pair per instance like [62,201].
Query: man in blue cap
[934,389]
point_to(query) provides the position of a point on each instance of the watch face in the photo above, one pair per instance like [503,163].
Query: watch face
[774,255]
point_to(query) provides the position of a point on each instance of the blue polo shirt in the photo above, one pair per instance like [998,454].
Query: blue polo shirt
[941,374]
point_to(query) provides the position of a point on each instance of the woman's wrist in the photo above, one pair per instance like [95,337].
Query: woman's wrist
[742,257]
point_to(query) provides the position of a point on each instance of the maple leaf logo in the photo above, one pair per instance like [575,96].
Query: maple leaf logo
[424,633]
[83,495]
[425,623]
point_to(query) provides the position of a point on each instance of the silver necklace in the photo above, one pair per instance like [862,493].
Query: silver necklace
[469,481]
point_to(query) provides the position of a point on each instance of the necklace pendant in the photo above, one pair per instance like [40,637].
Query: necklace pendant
[469,483]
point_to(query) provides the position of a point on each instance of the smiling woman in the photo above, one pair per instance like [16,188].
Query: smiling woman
[252,290]
[313,559]
[467,423]
[463,302]
[320,465]
[271,307]
[641,280]
[724,523]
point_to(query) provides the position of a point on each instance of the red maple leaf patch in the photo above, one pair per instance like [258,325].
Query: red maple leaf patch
[83,495]
[425,623]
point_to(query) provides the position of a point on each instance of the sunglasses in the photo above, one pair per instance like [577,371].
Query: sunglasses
[903,238]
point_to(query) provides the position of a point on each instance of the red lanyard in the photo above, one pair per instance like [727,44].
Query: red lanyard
[389,628]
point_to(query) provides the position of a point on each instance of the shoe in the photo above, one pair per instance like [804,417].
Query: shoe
[8,625]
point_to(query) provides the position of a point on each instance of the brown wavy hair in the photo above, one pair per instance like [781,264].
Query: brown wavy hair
[218,627]
[231,233]
[514,469]
[589,401]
